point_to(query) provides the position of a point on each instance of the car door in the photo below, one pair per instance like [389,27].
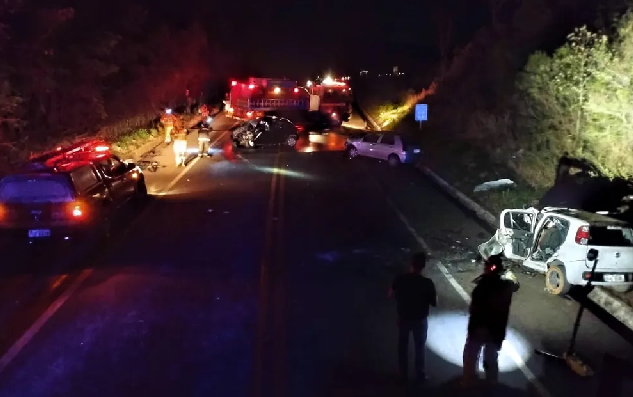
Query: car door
[286,129]
[130,175]
[517,232]
[264,132]
[386,146]
[115,174]
[367,145]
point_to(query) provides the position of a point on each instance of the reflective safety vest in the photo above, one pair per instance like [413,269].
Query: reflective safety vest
[168,120]
[204,111]
[203,134]
[180,134]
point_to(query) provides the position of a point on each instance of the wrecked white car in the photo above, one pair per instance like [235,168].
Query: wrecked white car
[555,241]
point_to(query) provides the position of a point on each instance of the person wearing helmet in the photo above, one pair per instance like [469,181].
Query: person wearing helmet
[168,120]
[204,130]
[180,143]
[489,313]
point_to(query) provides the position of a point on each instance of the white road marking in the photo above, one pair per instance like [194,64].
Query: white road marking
[28,335]
[538,385]
[17,347]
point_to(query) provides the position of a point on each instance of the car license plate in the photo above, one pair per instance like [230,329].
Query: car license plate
[416,150]
[614,278]
[36,233]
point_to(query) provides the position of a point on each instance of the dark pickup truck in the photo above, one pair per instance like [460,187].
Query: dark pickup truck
[67,197]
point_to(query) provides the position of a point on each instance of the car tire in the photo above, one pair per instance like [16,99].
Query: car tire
[622,289]
[556,280]
[352,152]
[140,193]
[291,141]
[393,160]
[106,228]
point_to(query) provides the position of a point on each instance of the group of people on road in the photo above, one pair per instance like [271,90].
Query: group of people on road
[176,130]
[489,311]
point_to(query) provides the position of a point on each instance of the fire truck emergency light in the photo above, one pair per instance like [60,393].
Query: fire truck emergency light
[277,90]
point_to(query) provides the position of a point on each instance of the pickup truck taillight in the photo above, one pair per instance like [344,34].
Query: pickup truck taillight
[582,235]
[76,210]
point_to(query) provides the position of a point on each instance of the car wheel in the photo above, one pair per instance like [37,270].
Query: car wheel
[106,228]
[140,193]
[393,160]
[291,141]
[556,280]
[352,152]
[622,289]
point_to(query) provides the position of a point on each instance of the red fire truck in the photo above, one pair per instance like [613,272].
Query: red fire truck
[256,96]
[335,99]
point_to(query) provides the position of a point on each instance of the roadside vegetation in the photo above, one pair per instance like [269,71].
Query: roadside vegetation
[99,69]
[518,95]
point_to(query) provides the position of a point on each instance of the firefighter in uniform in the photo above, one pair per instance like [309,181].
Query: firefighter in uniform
[489,312]
[168,120]
[180,143]
[203,111]
[204,130]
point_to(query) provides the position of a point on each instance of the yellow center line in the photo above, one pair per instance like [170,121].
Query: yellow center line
[264,281]
[281,309]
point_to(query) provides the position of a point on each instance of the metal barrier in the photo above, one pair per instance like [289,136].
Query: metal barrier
[615,371]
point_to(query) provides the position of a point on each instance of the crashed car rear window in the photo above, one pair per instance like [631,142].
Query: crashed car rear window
[610,236]
[35,189]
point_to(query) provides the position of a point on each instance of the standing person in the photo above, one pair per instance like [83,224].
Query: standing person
[204,129]
[180,143]
[489,313]
[414,295]
[168,120]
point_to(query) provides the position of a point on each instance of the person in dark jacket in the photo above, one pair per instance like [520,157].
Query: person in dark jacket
[204,138]
[489,313]
[414,294]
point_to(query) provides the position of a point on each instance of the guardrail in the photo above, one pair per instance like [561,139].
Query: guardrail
[605,300]
[370,120]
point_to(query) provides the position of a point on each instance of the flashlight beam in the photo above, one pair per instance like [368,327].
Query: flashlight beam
[511,350]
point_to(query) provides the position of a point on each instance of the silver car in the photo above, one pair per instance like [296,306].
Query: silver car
[394,148]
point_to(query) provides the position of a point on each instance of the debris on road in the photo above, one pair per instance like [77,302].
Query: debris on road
[494,185]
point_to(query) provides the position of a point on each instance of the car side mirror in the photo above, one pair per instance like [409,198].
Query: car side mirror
[130,166]
[592,255]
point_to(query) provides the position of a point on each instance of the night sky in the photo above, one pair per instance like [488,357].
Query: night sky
[296,38]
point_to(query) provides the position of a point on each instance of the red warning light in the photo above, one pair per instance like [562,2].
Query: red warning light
[233,83]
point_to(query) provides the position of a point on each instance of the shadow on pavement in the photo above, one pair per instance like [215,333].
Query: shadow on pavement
[454,388]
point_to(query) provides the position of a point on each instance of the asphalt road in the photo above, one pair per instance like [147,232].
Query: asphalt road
[265,273]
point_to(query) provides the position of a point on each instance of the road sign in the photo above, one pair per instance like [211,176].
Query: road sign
[421,112]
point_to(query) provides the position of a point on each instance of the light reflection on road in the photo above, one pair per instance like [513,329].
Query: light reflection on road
[326,142]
